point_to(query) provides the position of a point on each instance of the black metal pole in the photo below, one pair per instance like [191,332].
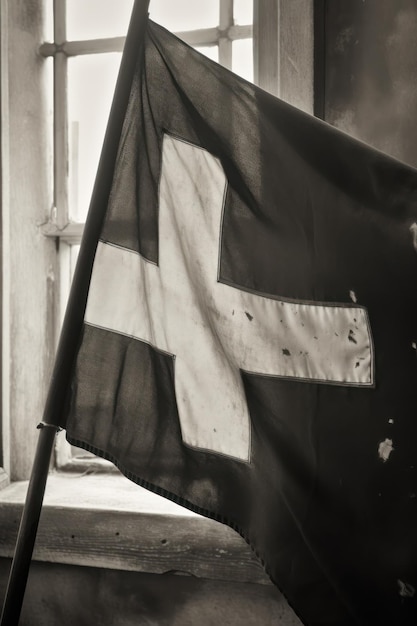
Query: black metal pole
[54,414]
[28,528]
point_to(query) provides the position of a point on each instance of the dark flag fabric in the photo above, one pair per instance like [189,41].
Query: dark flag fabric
[249,341]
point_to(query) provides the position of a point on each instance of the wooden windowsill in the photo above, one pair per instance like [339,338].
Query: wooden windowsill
[107,521]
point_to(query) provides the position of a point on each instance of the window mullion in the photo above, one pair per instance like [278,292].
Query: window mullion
[61,217]
[225,23]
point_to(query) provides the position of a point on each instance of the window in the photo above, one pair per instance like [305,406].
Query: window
[59,60]
[29,259]
[86,52]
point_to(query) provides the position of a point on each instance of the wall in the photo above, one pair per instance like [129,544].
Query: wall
[29,259]
[370,72]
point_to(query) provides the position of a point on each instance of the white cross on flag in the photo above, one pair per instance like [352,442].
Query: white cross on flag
[249,338]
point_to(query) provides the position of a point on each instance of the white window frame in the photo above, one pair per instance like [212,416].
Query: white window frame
[61,50]
[35,212]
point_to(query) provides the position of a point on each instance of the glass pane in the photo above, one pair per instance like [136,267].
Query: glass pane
[185,14]
[212,52]
[242,58]
[49,93]
[75,248]
[93,19]
[49,21]
[243,11]
[78,453]
[91,83]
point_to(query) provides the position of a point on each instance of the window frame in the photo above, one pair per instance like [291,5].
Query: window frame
[29,260]
[37,233]
[60,225]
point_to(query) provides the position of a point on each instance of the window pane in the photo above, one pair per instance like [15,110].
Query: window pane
[212,52]
[89,19]
[243,11]
[242,58]
[93,19]
[91,83]
[49,21]
[185,14]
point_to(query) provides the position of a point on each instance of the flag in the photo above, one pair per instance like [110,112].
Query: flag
[249,341]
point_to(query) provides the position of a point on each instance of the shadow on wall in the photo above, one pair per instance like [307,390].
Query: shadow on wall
[68,595]
[370,86]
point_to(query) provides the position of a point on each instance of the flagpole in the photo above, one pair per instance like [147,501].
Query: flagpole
[53,417]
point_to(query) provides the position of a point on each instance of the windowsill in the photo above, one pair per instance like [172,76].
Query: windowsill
[105,520]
